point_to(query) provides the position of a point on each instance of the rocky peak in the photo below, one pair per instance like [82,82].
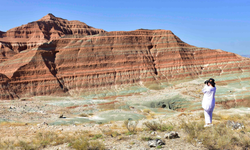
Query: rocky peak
[45,29]
[49,17]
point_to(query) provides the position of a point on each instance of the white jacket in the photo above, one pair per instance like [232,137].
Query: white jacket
[208,101]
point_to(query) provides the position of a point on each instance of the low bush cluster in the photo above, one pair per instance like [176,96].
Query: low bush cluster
[158,126]
[131,125]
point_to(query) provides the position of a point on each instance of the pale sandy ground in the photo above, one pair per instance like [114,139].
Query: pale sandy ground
[134,142]
[27,117]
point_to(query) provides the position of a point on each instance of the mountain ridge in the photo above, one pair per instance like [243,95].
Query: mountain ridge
[76,64]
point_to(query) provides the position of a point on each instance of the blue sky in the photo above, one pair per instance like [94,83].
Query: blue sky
[215,24]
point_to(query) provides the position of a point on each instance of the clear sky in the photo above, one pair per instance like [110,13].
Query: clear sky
[215,24]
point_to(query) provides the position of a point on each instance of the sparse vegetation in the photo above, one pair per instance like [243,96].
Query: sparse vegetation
[131,125]
[146,138]
[158,126]
[110,133]
[217,137]
[78,140]
[83,143]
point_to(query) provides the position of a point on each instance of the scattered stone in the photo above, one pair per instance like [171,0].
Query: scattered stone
[45,123]
[129,147]
[171,135]
[153,133]
[158,137]
[154,143]
[61,116]
[235,125]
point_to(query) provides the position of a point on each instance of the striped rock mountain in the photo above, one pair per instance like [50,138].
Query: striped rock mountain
[38,32]
[75,64]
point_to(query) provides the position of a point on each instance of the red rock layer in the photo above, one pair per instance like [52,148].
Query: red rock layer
[75,65]
[38,32]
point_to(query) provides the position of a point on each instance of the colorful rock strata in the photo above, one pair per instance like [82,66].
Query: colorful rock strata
[70,58]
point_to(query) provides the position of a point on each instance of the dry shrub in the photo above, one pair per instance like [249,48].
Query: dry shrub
[96,145]
[131,125]
[158,126]
[152,125]
[82,144]
[81,141]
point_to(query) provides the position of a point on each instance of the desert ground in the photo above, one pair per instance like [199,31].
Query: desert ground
[129,121]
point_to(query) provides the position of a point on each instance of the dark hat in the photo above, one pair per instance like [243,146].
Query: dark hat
[212,83]
[211,79]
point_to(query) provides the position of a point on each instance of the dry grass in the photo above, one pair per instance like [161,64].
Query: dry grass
[83,143]
[110,133]
[217,137]
[147,111]
[13,124]
[78,140]
[223,117]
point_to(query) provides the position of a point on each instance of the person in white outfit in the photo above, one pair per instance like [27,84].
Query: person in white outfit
[208,102]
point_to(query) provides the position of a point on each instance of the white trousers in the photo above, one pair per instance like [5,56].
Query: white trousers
[208,115]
